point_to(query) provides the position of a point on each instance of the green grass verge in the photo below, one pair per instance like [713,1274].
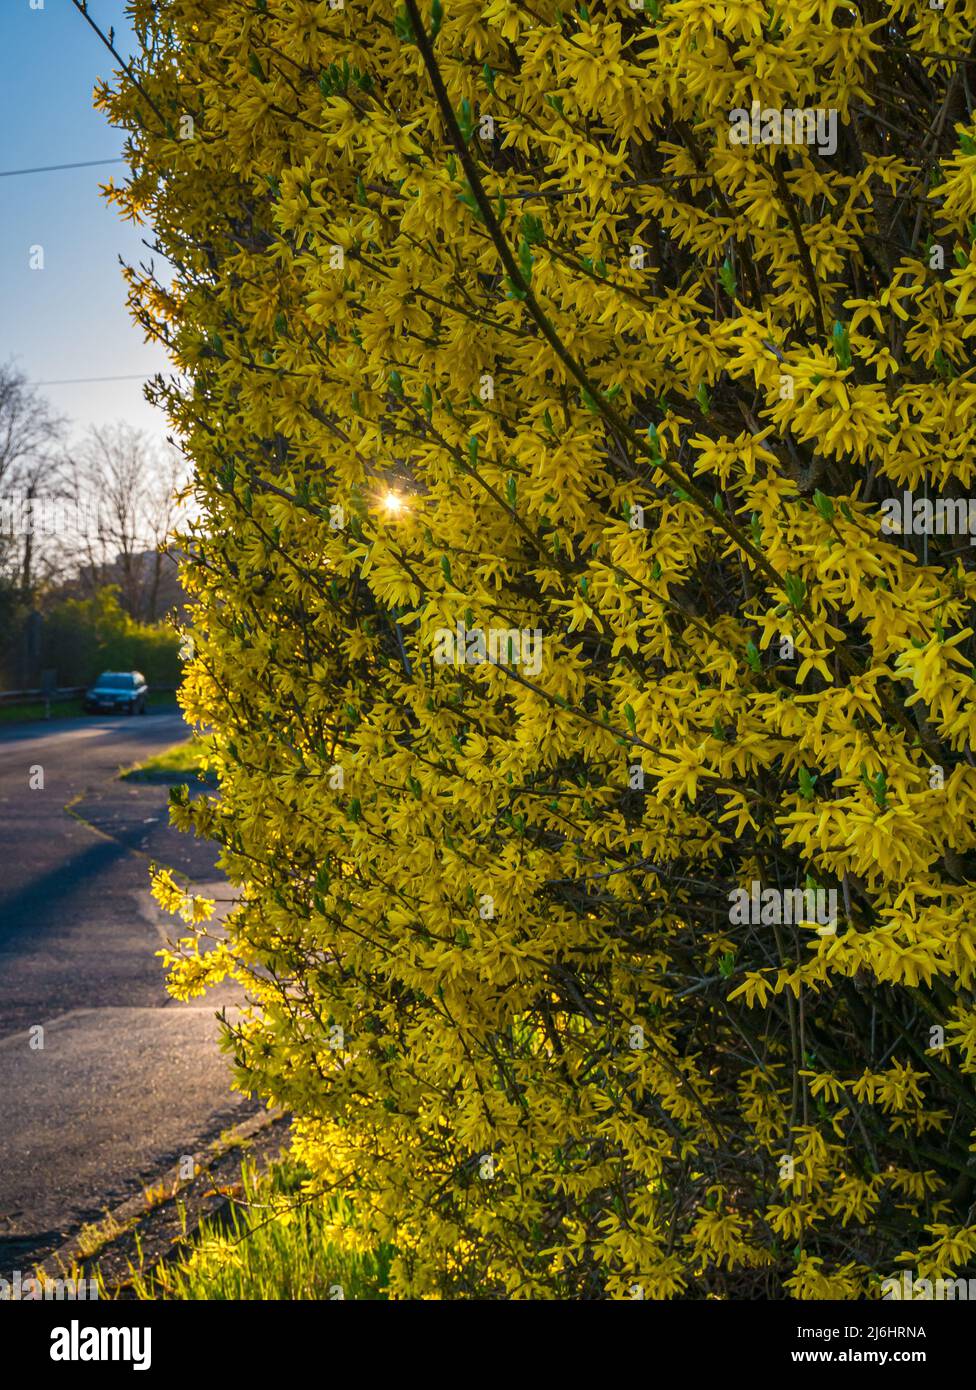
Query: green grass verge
[20,713]
[181,760]
[27,711]
[275,1244]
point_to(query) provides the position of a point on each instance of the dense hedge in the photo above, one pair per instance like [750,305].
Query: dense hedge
[547,426]
[83,637]
[77,639]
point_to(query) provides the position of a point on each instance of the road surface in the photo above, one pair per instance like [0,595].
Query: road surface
[127,1081]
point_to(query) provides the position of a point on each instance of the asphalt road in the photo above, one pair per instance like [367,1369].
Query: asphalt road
[127,1081]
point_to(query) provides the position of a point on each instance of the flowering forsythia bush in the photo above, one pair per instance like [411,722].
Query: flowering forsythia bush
[488,321]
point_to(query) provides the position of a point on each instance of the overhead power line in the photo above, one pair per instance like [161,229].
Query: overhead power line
[51,168]
[84,380]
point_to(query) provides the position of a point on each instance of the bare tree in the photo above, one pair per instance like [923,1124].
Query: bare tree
[134,483]
[30,476]
[161,508]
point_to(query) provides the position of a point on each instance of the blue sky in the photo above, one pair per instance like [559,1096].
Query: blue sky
[68,320]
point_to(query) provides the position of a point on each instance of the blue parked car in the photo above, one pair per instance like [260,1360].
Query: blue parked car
[118,692]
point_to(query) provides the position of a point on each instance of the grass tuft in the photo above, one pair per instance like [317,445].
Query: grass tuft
[276,1242]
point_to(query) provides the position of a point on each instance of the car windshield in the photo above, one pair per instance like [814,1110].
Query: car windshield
[114,683]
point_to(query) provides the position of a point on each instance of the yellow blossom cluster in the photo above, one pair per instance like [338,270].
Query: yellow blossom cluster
[484,328]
